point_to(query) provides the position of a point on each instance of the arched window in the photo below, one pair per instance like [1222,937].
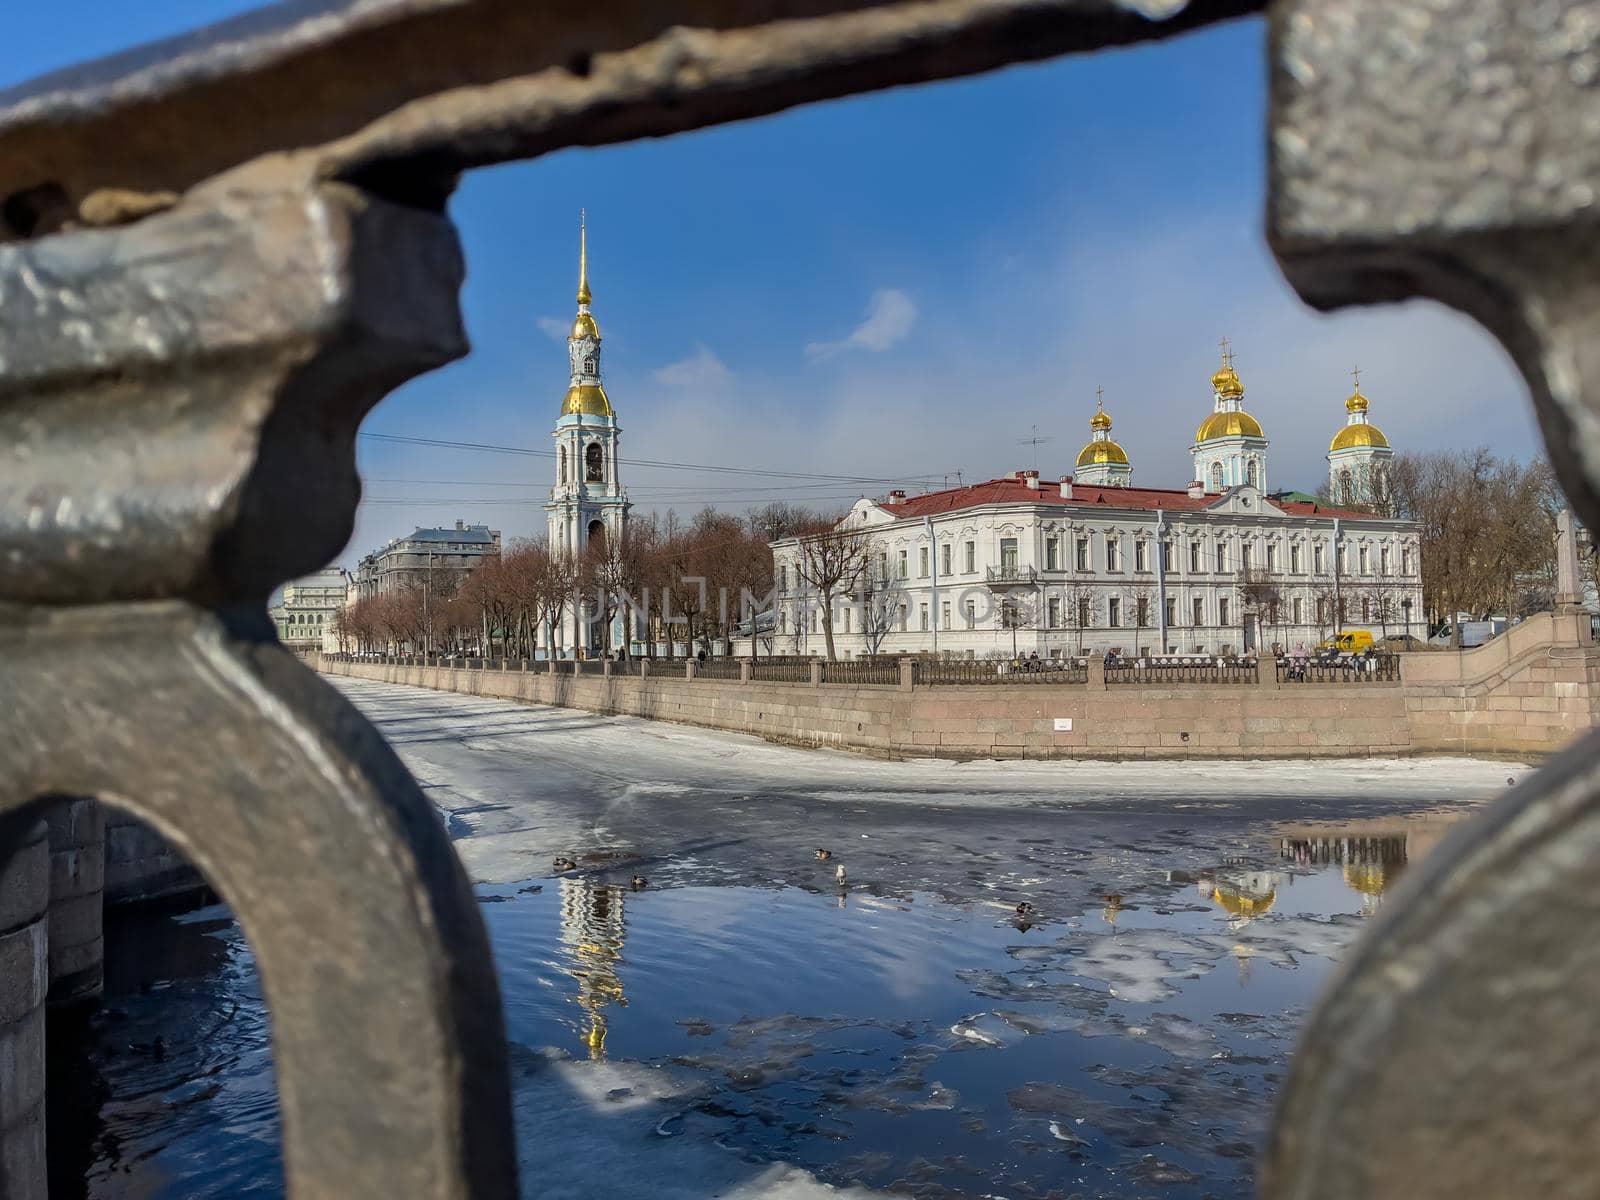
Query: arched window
[1250,475]
[1216,477]
[597,535]
[594,463]
[1347,487]
[588,365]
[561,464]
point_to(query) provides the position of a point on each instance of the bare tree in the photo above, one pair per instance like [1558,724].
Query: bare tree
[832,559]
[881,597]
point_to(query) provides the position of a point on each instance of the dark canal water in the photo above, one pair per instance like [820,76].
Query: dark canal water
[1128,1048]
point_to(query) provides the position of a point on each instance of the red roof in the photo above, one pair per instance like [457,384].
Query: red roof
[1012,490]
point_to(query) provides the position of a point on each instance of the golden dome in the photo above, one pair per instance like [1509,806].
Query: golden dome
[1362,433]
[1357,402]
[1370,879]
[587,398]
[584,326]
[1239,904]
[1228,424]
[1098,452]
[1226,382]
[1100,420]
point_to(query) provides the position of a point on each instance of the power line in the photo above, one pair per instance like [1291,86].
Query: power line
[643,462]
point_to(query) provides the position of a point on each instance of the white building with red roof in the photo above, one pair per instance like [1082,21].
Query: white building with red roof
[1062,567]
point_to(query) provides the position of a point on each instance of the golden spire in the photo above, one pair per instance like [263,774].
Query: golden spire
[1100,420]
[1357,402]
[583,258]
[1226,381]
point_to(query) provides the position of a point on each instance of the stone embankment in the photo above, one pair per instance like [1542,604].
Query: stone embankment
[1526,693]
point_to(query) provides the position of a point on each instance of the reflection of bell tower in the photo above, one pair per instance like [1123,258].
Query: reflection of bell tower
[592,933]
[588,504]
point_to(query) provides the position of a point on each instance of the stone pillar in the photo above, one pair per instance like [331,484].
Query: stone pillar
[24,980]
[746,666]
[816,674]
[1097,671]
[1266,671]
[77,884]
[908,674]
[1568,593]
[644,668]
[688,668]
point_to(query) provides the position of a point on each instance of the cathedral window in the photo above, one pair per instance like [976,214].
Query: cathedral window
[594,463]
[1216,477]
[1347,487]
[1251,475]
[561,464]
[588,365]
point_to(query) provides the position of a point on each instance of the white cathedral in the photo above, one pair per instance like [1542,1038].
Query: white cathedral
[588,503]
[1089,562]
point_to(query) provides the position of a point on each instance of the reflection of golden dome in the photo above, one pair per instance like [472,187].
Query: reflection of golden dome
[1102,452]
[1240,905]
[1371,879]
[587,398]
[1362,433]
[1228,424]
[584,326]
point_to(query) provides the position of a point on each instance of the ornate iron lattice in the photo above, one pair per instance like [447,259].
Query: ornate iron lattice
[217,253]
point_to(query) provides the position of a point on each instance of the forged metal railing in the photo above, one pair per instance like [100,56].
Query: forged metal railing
[862,673]
[781,670]
[717,668]
[1377,668]
[1011,574]
[1180,670]
[221,252]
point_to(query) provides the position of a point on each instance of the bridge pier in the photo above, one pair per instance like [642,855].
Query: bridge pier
[24,981]
[77,892]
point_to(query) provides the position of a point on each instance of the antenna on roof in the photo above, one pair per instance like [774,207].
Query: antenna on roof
[1035,441]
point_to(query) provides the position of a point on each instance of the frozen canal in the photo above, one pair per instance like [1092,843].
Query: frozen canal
[744,1026]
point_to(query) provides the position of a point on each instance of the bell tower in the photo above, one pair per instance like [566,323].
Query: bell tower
[588,503]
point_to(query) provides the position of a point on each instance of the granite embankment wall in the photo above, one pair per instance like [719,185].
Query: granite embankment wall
[1526,694]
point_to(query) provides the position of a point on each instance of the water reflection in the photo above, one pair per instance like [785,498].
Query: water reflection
[1371,857]
[593,930]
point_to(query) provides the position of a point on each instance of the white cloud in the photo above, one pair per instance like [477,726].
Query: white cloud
[700,370]
[554,328]
[890,316]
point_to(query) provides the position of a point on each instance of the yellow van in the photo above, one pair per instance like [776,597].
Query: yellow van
[1351,641]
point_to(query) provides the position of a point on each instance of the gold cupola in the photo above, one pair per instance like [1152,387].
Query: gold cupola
[1102,462]
[1228,419]
[1358,431]
[586,395]
[1101,449]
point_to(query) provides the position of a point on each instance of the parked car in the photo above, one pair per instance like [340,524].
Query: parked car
[1403,643]
[1473,633]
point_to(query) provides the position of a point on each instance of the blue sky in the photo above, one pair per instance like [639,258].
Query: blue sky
[902,284]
